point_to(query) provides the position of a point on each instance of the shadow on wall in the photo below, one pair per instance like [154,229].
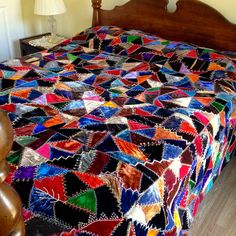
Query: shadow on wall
[77,17]
[32,23]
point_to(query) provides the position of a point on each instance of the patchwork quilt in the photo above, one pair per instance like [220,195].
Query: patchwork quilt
[118,132]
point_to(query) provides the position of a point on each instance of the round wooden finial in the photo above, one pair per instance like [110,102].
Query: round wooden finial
[96,4]
[11,220]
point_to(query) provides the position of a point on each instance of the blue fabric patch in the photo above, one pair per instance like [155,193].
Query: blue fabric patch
[171,151]
[128,198]
[45,170]
[42,203]
[150,196]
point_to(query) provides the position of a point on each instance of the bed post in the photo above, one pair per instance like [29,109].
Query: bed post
[96,4]
[11,221]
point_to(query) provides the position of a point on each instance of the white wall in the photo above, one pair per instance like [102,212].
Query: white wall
[11,29]
[79,15]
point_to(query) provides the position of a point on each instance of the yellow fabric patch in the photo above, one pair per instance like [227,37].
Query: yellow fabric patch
[177,219]
[110,104]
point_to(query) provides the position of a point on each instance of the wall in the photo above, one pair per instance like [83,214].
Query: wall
[9,31]
[79,15]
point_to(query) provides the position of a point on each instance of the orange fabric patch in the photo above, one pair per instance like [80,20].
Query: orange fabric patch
[130,149]
[193,78]
[24,93]
[130,176]
[214,66]
[143,78]
[56,120]
[186,127]
[204,100]
[162,133]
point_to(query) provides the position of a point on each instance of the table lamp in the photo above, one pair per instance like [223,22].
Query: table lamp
[50,8]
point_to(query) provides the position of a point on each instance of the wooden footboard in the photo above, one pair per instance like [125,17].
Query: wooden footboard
[11,221]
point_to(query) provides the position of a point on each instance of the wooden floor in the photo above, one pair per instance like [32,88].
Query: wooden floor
[217,213]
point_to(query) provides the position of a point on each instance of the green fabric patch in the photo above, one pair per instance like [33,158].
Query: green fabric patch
[71,57]
[130,39]
[207,50]
[165,42]
[86,200]
[192,184]
[218,106]
[227,157]
[154,89]
[24,140]
[115,91]
[14,158]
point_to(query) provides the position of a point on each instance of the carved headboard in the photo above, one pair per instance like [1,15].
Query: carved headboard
[193,21]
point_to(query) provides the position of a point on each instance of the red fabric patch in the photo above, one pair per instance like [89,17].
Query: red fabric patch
[192,54]
[9,178]
[53,98]
[140,112]
[25,131]
[198,144]
[202,118]
[183,202]
[96,137]
[53,186]
[72,125]
[141,67]
[9,107]
[91,181]
[170,179]
[147,40]
[114,72]
[187,157]
[99,163]
[103,228]
[133,48]
[184,170]
[210,164]
[186,127]
[172,232]
[70,145]
[133,125]
[26,214]
[195,207]
[158,103]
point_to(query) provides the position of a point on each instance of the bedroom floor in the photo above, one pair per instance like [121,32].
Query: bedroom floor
[217,212]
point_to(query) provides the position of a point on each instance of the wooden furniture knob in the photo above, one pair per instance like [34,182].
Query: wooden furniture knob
[11,221]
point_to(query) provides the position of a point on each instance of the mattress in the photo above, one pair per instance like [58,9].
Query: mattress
[118,132]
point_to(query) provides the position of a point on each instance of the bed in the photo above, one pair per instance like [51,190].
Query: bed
[116,131]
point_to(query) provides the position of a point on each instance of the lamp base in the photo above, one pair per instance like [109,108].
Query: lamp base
[54,39]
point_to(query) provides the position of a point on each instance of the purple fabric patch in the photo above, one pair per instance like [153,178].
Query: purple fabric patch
[25,172]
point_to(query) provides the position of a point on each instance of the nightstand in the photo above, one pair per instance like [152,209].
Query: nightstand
[38,43]
[26,48]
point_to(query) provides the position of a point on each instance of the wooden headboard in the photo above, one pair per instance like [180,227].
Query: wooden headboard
[193,21]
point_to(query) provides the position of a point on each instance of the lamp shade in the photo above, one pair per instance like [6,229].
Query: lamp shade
[49,7]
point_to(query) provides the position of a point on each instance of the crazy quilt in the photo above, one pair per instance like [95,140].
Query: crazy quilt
[118,132]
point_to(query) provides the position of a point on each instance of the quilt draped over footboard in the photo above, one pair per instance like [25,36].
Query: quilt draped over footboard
[118,132]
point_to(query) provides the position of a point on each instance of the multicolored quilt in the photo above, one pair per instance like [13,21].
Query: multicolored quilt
[118,132]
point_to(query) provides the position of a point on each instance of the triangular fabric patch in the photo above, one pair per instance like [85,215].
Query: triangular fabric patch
[85,200]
